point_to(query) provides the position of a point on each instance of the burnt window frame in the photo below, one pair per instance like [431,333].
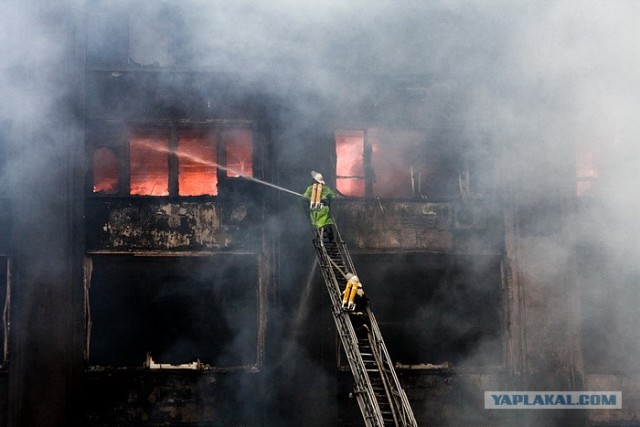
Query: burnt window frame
[438,264]
[117,139]
[368,162]
[366,176]
[160,365]
[92,161]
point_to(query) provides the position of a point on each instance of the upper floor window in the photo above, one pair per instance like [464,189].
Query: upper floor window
[167,162]
[197,160]
[377,162]
[148,164]
[350,177]
[238,150]
[105,171]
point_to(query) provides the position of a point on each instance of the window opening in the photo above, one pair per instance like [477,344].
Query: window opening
[105,171]
[238,152]
[350,179]
[440,311]
[394,161]
[174,310]
[197,160]
[149,164]
[177,162]
[378,162]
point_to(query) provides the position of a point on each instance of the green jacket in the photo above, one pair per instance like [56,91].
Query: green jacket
[320,217]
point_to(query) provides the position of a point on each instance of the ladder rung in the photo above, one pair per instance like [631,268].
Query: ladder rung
[370,374]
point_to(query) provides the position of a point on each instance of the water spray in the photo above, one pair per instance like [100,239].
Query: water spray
[219,166]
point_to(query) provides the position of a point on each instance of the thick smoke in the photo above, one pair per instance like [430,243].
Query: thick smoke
[534,81]
[532,84]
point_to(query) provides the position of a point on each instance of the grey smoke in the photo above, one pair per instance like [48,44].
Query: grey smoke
[539,78]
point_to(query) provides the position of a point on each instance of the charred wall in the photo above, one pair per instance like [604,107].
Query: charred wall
[177,287]
[129,225]
[210,286]
[145,307]
[435,282]
[160,259]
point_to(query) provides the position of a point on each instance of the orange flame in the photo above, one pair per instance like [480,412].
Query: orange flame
[149,165]
[105,171]
[349,162]
[197,173]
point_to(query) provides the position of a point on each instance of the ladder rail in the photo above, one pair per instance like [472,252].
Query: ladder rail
[364,390]
[396,397]
[384,378]
[407,417]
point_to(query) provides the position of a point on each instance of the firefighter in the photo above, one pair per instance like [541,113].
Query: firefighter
[319,196]
[354,301]
[353,296]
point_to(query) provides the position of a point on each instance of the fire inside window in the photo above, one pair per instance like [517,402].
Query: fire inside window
[148,164]
[197,163]
[105,171]
[185,162]
[239,149]
[350,179]
[378,162]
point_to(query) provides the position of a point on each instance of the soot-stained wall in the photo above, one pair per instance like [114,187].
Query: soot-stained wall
[133,225]
[192,347]
[209,309]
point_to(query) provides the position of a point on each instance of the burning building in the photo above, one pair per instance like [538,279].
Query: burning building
[156,260]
